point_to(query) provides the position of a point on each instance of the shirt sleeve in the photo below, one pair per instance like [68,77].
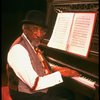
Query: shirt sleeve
[19,60]
[49,80]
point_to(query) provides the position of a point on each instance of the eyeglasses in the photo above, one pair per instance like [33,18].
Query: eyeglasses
[43,30]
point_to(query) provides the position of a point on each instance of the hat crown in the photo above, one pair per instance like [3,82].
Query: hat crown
[35,17]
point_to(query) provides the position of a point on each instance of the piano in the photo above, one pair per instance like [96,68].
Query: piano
[85,87]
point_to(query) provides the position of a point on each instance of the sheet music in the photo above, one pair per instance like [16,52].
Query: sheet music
[61,31]
[81,33]
[72,32]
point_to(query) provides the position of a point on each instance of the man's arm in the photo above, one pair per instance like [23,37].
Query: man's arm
[19,60]
[65,72]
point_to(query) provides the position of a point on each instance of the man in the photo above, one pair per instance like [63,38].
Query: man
[28,73]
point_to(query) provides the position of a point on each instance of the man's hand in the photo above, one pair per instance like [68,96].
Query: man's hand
[65,72]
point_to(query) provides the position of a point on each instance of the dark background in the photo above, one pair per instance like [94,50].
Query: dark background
[12,13]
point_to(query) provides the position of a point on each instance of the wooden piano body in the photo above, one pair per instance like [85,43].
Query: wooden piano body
[88,67]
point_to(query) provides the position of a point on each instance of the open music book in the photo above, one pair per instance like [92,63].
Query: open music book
[72,32]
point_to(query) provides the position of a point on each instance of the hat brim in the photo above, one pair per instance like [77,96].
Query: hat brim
[32,22]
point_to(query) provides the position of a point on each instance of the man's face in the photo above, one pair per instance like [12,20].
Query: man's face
[38,32]
[36,35]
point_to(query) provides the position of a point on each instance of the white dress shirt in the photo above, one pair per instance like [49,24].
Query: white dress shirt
[19,60]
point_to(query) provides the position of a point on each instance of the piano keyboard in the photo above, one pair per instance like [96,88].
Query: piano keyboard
[88,82]
[85,81]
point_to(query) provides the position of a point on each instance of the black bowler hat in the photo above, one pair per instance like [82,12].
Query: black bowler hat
[35,17]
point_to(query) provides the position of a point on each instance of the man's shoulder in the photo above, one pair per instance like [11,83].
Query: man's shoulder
[17,41]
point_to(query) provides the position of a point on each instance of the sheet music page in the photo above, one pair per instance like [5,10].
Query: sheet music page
[61,31]
[81,33]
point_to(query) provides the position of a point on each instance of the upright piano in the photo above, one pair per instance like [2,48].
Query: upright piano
[85,87]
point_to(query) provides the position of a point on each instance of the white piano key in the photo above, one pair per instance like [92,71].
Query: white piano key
[85,81]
